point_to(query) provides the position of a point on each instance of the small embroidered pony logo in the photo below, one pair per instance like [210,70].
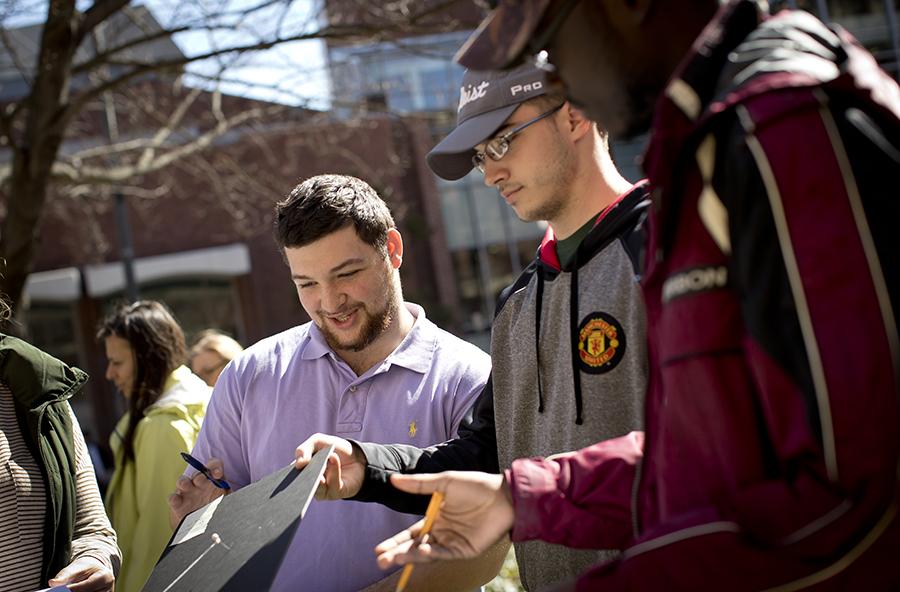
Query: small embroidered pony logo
[412,429]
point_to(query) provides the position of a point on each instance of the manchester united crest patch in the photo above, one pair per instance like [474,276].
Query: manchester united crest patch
[601,343]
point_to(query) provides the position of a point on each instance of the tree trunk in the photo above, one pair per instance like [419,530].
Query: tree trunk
[45,113]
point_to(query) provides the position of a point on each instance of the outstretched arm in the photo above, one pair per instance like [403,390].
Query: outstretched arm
[361,471]
[476,514]
[475,449]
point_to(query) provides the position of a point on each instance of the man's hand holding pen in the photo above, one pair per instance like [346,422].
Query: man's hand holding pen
[197,491]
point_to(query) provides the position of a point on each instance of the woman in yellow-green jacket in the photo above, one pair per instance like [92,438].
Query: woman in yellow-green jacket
[146,351]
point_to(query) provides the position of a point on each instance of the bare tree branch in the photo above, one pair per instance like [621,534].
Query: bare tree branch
[84,190]
[97,14]
[69,172]
[166,131]
[221,21]
[141,68]
[101,58]
[50,137]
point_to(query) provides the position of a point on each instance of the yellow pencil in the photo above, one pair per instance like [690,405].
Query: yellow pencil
[430,514]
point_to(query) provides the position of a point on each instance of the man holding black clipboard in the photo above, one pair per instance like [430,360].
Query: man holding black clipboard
[369,366]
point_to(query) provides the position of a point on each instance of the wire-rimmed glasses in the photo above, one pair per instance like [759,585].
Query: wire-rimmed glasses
[497,147]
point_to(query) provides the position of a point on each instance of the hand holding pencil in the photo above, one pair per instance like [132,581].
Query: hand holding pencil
[434,506]
[475,513]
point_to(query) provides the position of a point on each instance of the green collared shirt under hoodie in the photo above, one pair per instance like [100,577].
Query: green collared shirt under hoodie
[567,247]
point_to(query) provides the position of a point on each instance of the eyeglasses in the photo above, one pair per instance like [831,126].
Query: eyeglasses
[497,147]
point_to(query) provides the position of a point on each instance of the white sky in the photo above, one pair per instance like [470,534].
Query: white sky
[293,73]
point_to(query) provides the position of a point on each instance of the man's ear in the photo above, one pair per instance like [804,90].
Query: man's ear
[395,248]
[578,124]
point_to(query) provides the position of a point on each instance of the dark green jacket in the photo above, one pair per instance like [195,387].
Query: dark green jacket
[41,385]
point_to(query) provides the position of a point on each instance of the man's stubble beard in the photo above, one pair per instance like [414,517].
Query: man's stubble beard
[376,324]
[555,181]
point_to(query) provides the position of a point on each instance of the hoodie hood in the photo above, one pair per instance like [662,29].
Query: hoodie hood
[36,378]
[627,210]
[185,396]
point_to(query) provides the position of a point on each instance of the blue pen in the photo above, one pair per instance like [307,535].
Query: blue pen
[220,483]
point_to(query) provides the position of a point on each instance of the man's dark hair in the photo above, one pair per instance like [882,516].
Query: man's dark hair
[157,343]
[548,101]
[327,203]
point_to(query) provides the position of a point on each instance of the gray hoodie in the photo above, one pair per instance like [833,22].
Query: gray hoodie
[569,369]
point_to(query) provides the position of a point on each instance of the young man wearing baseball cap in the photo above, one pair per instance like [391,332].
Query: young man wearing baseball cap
[770,459]
[569,362]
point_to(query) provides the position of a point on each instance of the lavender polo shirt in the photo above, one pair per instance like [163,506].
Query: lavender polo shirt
[291,385]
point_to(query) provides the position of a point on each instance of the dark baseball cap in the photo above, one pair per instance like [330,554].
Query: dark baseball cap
[486,100]
[503,37]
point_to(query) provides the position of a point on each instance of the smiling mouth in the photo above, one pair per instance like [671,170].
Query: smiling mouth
[340,319]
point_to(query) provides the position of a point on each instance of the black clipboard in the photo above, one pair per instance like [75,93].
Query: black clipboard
[254,527]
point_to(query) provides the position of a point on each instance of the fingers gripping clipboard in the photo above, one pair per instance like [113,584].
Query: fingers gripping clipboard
[239,541]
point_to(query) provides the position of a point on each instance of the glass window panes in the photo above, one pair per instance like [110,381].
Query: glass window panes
[204,303]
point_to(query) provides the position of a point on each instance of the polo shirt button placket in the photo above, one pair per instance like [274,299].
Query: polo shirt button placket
[351,410]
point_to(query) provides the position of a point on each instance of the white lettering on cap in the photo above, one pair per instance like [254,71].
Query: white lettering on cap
[521,88]
[471,93]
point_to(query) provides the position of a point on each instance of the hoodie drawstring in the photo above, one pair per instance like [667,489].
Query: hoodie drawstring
[537,335]
[573,338]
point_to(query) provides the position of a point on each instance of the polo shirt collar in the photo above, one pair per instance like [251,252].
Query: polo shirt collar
[417,348]
[316,346]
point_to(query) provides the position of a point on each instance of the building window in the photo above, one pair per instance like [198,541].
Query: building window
[51,328]
[197,304]
[489,245]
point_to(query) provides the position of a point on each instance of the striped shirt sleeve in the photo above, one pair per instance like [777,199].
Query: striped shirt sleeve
[94,536]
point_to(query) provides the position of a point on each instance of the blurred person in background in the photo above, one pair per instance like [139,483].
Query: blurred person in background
[166,404]
[53,530]
[211,352]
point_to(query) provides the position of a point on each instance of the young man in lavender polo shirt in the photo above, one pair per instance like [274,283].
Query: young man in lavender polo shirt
[369,366]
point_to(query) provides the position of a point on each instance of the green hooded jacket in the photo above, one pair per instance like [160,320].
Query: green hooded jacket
[41,385]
